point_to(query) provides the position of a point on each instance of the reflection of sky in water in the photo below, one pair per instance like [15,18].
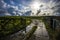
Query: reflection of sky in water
[40,32]
[21,7]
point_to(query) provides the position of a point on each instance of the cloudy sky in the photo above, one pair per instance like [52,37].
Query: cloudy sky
[29,7]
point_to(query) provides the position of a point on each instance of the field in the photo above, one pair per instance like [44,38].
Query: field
[12,24]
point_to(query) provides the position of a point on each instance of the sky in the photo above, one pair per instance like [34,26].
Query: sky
[29,7]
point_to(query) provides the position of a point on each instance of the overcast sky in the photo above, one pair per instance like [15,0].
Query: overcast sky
[29,7]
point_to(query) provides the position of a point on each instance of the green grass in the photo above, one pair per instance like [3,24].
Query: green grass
[53,34]
[10,25]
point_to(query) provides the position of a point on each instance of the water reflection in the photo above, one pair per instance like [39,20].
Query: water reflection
[40,33]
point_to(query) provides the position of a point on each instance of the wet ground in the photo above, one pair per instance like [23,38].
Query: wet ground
[40,33]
